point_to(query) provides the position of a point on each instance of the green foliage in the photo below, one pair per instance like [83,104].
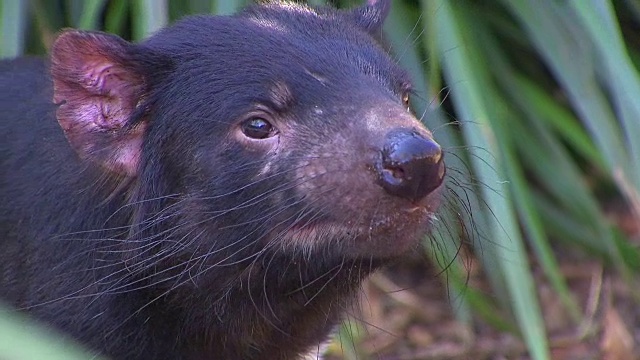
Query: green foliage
[22,339]
[545,94]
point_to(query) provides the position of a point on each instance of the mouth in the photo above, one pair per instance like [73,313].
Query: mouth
[382,234]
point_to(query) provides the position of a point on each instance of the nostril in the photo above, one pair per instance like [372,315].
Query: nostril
[393,174]
[411,166]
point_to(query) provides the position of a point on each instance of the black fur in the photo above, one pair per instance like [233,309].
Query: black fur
[202,244]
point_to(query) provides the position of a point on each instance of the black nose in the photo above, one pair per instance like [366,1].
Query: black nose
[411,165]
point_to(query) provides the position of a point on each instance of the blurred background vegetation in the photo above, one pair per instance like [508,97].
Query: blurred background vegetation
[537,103]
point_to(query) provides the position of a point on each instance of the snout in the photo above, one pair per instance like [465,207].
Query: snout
[410,165]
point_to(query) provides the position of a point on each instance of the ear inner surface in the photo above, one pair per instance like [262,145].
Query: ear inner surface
[98,88]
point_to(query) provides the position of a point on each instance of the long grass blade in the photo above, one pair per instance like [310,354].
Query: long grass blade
[13,20]
[152,15]
[623,80]
[468,81]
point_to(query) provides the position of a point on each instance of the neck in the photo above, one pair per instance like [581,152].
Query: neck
[272,309]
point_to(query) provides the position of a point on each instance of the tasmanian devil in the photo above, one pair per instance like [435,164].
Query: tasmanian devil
[218,191]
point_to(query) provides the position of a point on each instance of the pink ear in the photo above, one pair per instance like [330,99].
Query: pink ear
[98,88]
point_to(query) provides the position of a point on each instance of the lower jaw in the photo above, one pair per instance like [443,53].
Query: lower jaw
[352,243]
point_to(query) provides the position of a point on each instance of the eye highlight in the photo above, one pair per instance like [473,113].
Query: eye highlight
[258,128]
[406,100]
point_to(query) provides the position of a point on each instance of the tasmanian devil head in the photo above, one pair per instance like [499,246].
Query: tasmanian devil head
[268,162]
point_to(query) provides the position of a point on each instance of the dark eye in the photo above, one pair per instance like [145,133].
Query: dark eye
[405,100]
[258,128]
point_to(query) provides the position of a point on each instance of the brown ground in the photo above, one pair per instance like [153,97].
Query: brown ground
[407,315]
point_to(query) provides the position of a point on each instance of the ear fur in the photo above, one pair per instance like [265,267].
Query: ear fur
[371,16]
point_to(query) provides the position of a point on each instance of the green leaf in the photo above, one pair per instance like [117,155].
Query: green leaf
[472,92]
[21,339]
[152,15]
[90,14]
[13,23]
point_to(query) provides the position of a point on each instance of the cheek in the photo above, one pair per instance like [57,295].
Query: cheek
[337,172]
[238,174]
